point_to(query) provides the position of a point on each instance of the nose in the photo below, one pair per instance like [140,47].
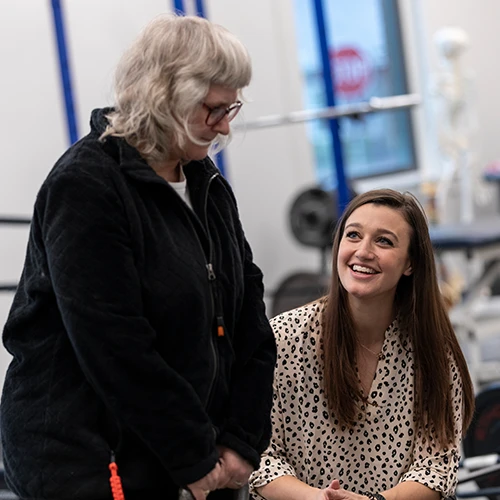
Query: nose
[222,127]
[364,250]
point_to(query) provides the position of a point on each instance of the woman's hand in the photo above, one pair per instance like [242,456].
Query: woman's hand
[201,488]
[235,469]
[335,492]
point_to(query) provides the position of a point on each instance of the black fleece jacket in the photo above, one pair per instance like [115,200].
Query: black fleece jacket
[113,331]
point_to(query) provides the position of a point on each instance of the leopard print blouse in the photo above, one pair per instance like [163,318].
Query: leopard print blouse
[385,447]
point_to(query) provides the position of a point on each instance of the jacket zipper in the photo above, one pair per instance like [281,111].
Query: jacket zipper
[219,317]
[214,299]
[216,305]
[213,348]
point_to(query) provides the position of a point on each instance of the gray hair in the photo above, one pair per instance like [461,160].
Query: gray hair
[165,74]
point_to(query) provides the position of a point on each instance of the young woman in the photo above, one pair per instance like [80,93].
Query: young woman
[372,393]
[138,331]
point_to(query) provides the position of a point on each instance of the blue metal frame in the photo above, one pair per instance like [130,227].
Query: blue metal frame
[200,11]
[200,8]
[179,6]
[328,70]
[65,71]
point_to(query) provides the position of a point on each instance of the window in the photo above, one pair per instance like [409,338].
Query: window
[366,50]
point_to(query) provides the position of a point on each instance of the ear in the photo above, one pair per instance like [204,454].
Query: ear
[408,270]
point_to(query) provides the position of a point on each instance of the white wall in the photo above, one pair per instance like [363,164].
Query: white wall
[267,168]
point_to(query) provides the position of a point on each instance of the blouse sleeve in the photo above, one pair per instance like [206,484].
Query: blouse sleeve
[434,466]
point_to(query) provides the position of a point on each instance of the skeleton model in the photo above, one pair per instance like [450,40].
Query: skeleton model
[458,131]
[457,127]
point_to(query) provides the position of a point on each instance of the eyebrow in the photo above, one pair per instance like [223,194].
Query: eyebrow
[378,231]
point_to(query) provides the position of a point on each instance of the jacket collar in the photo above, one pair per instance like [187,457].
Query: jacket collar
[135,166]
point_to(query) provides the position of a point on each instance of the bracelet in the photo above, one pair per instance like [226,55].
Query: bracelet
[373,496]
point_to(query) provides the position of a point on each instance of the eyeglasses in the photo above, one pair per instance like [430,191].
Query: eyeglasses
[217,114]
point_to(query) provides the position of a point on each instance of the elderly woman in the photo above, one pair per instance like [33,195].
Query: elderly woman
[372,391]
[138,330]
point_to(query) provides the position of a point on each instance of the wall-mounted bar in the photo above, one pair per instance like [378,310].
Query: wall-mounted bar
[375,104]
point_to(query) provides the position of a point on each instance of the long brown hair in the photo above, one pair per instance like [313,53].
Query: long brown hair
[422,316]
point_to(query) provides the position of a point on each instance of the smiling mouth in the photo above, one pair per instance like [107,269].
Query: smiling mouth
[362,269]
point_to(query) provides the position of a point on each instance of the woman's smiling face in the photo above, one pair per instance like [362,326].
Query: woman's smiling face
[374,252]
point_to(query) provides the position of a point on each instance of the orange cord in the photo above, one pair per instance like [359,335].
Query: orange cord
[116,482]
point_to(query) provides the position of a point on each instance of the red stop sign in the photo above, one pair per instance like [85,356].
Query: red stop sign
[351,70]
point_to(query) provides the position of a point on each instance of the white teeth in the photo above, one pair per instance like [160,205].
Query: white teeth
[362,269]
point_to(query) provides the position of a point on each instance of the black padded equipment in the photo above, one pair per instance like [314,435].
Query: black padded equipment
[483,436]
[298,289]
[313,215]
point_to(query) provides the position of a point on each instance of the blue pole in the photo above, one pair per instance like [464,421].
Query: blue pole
[65,71]
[179,6]
[200,11]
[200,8]
[330,99]
[220,160]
